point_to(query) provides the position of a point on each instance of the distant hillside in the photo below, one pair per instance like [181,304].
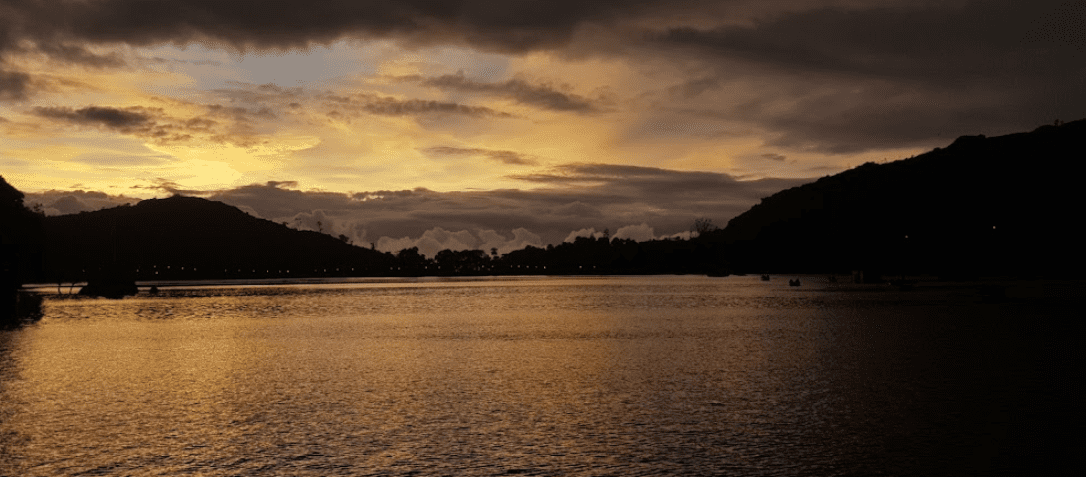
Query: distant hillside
[1004,205]
[191,238]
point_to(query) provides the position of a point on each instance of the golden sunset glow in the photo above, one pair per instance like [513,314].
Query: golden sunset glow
[337,102]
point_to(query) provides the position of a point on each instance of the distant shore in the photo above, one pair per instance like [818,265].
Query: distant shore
[993,288]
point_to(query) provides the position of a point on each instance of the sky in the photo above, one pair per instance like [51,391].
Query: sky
[487,123]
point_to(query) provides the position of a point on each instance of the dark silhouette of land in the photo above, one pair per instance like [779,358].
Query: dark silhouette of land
[1006,206]
[181,238]
[20,251]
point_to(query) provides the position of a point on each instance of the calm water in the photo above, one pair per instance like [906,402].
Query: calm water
[543,376]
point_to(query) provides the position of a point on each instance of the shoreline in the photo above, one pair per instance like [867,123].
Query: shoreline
[996,287]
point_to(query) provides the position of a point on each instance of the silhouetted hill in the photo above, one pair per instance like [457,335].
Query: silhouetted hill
[190,238]
[20,247]
[1002,205]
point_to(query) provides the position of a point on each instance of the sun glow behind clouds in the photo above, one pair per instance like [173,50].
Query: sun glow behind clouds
[357,115]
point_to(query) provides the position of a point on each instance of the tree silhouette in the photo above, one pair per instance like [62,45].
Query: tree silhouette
[702,226]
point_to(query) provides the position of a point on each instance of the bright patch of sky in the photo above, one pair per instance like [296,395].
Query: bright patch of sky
[322,66]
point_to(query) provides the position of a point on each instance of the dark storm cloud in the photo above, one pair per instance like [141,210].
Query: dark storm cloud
[507,25]
[947,44]
[505,157]
[540,95]
[904,76]
[861,75]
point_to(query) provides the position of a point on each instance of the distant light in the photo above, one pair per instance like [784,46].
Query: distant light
[993,227]
[906,236]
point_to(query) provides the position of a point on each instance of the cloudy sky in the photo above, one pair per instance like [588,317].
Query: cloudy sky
[502,123]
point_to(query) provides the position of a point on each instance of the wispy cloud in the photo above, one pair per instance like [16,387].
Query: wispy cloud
[544,96]
[233,125]
[390,106]
[14,85]
[121,119]
[505,157]
[69,54]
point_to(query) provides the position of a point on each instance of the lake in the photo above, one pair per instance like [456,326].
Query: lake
[674,375]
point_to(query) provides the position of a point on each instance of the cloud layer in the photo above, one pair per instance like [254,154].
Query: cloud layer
[578,200]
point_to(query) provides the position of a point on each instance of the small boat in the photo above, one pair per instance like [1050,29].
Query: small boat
[793,283]
[765,277]
[833,279]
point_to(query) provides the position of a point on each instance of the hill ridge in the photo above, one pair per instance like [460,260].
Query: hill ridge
[178,236]
[980,199]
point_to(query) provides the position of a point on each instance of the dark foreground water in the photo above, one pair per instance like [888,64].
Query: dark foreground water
[547,376]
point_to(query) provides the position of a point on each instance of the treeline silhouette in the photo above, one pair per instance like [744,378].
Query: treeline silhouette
[1006,205]
[583,256]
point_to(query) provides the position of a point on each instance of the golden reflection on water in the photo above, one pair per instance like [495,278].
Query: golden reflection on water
[680,375]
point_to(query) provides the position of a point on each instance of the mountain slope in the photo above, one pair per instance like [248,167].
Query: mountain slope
[1008,204]
[188,237]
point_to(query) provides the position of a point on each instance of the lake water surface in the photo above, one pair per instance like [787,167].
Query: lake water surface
[679,375]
